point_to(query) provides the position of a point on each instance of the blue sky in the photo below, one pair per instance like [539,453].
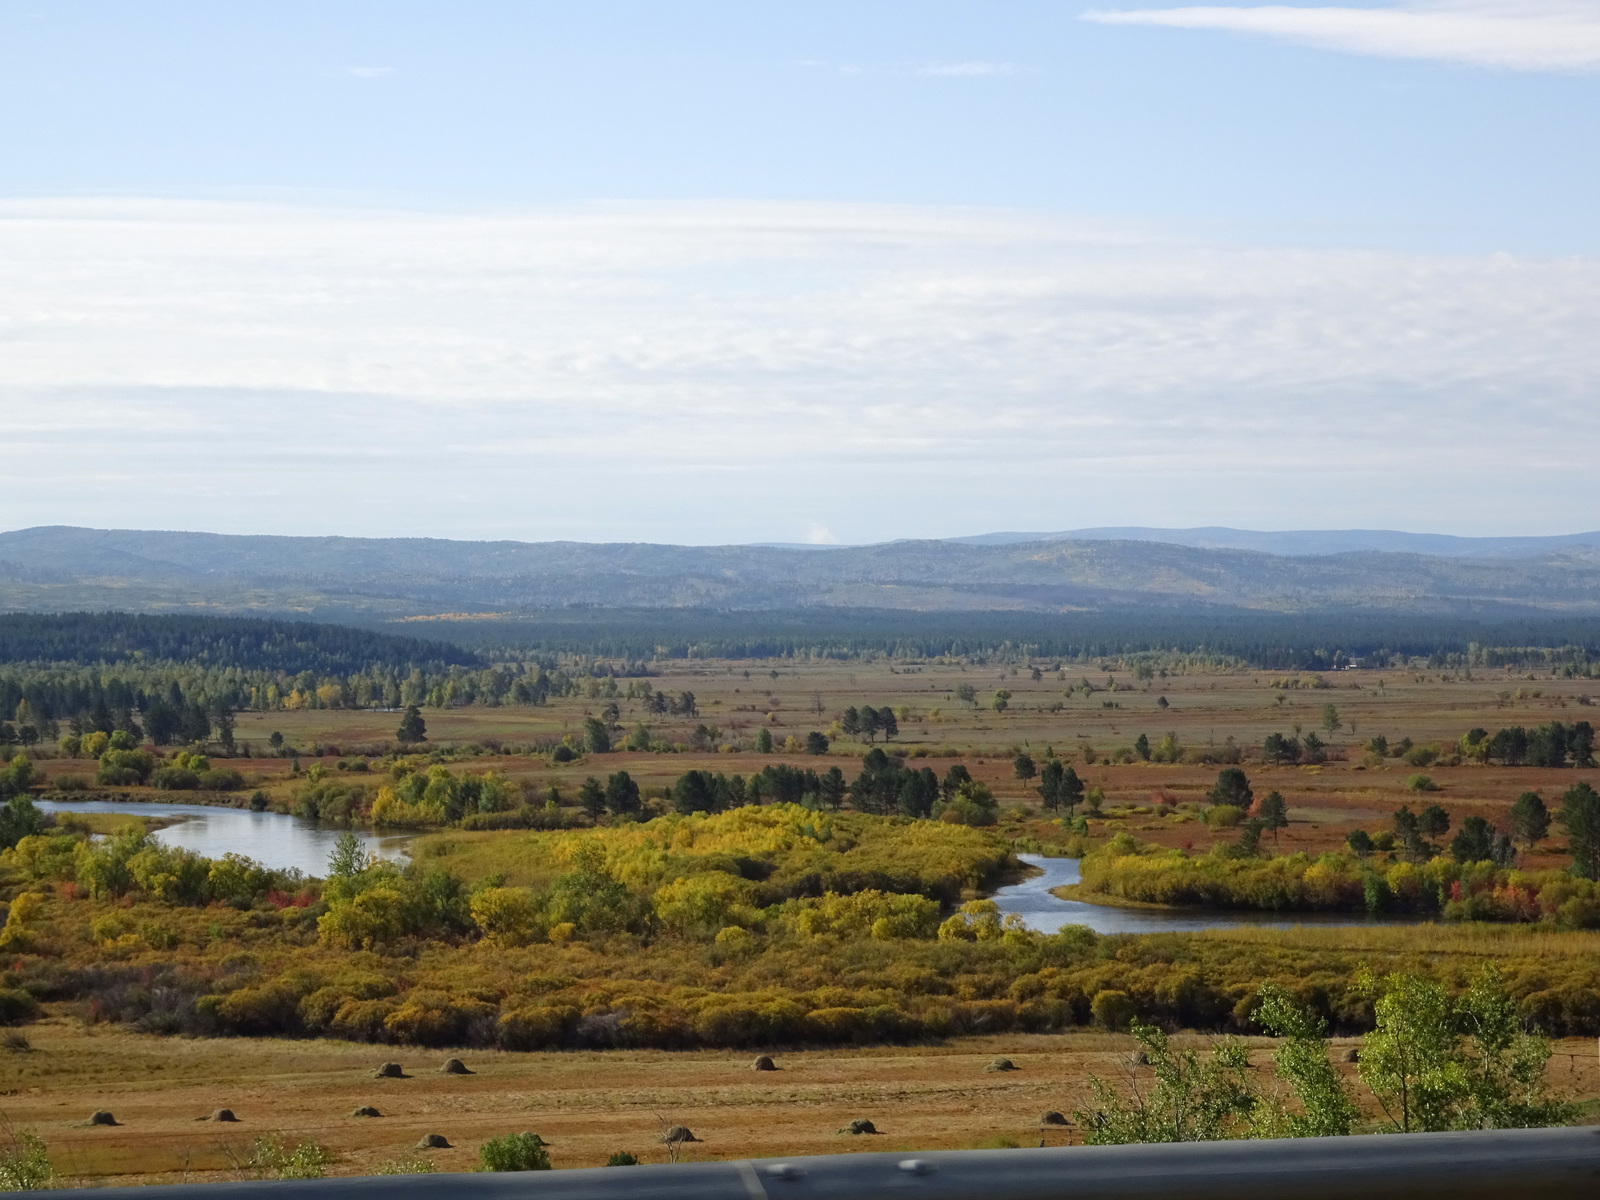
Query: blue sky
[716,271]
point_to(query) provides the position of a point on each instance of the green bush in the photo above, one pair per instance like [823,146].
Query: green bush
[25,1165]
[622,1159]
[415,1165]
[514,1152]
[272,1160]
[122,768]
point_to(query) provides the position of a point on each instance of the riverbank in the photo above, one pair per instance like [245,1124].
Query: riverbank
[105,822]
[198,799]
[1077,893]
[275,840]
[1054,898]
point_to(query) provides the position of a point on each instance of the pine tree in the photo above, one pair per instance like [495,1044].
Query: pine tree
[413,728]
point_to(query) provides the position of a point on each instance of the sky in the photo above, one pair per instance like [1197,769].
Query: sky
[733,272]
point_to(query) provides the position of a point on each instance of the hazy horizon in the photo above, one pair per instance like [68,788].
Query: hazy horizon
[1098,532]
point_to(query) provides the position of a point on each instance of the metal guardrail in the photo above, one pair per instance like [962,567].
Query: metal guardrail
[1515,1164]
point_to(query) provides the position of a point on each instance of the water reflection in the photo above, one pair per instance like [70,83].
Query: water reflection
[1032,901]
[280,842]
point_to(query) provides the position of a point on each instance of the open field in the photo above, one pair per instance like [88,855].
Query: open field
[587,1104]
[1203,705]
[1206,708]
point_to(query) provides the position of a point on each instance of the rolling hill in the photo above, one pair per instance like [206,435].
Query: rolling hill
[58,568]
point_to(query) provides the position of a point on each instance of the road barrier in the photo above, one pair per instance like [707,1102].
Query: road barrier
[1510,1164]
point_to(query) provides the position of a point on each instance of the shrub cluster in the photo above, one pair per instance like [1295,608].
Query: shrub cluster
[1339,882]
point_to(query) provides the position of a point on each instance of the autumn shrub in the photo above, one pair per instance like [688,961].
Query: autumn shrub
[1337,882]
[432,1018]
[1112,1008]
[261,1010]
[507,915]
[363,1020]
[540,1027]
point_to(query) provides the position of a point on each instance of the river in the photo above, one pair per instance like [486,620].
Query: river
[280,842]
[1032,901]
[286,843]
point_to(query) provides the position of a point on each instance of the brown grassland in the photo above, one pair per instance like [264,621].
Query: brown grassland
[587,1104]
[1206,708]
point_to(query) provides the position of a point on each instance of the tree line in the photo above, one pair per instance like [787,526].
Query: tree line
[106,638]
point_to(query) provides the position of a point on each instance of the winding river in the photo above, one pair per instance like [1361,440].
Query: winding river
[281,842]
[292,843]
[1032,901]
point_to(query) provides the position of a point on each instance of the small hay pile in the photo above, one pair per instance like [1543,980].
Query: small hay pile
[1001,1064]
[366,1110]
[1051,1117]
[763,1062]
[433,1141]
[390,1070]
[454,1066]
[678,1133]
[859,1126]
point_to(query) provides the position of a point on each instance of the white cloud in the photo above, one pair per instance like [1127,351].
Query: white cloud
[967,70]
[1528,35]
[739,371]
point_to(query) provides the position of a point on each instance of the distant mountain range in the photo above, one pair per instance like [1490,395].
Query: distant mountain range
[1300,542]
[60,568]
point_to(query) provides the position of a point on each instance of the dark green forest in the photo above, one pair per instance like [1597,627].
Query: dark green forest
[92,639]
[1265,641]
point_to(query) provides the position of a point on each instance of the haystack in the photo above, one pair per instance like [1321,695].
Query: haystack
[1001,1064]
[366,1110]
[390,1070]
[433,1141]
[763,1062]
[454,1066]
[859,1126]
[678,1133]
[101,1117]
[1051,1117]
[222,1114]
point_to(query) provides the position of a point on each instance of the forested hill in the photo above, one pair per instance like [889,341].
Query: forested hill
[61,569]
[251,644]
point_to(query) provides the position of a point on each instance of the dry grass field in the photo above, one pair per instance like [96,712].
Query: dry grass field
[586,1104]
[1203,705]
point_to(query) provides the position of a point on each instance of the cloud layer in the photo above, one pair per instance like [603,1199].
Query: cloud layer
[1528,35]
[770,372]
